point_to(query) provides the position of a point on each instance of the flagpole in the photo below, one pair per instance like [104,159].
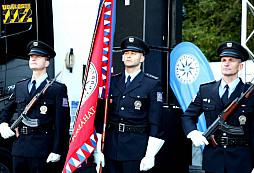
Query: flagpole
[86,110]
[88,64]
[104,124]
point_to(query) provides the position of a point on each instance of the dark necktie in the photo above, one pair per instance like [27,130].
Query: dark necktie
[33,88]
[128,81]
[224,98]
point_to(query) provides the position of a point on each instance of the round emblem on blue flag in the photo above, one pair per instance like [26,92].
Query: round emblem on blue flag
[187,69]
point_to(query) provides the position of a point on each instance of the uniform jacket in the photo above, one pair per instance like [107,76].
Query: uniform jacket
[52,110]
[235,158]
[144,88]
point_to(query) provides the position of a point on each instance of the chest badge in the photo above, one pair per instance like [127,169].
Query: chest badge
[242,120]
[137,104]
[43,109]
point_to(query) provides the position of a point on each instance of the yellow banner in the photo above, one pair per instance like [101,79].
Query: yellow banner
[17,13]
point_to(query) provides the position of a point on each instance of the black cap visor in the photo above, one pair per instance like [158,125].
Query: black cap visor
[232,53]
[38,52]
[134,49]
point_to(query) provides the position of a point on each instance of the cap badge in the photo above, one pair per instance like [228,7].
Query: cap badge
[131,39]
[229,44]
[35,43]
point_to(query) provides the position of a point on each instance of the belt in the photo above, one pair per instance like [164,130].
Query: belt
[26,130]
[226,141]
[120,127]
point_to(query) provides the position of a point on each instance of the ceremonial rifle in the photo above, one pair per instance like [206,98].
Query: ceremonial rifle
[220,122]
[23,117]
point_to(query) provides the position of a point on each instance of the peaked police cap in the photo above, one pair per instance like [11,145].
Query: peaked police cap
[41,49]
[134,44]
[232,49]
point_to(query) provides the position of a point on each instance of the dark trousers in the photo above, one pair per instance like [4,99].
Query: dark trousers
[28,165]
[214,172]
[114,166]
[225,171]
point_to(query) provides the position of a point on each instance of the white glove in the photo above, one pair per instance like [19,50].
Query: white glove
[53,157]
[197,138]
[6,131]
[98,155]
[252,170]
[153,147]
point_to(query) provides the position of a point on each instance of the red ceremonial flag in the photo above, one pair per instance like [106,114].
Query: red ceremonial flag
[84,139]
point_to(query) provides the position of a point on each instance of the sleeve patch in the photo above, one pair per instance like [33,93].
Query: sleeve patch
[159,96]
[65,102]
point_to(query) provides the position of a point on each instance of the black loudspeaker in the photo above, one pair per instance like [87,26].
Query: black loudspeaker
[158,23]
[175,155]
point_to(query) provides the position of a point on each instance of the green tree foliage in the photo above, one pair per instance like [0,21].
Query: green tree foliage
[208,23]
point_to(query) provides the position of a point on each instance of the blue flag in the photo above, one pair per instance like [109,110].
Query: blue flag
[188,69]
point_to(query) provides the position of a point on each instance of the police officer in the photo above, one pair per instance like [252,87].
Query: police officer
[34,146]
[234,152]
[134,127]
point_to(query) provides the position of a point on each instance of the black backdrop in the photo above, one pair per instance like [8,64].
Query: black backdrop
[159,24]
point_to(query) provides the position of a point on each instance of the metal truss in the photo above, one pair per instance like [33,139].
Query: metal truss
[244,38]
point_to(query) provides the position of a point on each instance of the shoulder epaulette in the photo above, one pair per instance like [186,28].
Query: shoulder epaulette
[151,76]
[117,74]
[58,82]
[249,83]
[23,80]
[208,82]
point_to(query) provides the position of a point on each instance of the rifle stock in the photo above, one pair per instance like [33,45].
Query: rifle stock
[214,143]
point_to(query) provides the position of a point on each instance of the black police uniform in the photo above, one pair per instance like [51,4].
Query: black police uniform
[52,111]
[134,114]
[137,105]
[234,153]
